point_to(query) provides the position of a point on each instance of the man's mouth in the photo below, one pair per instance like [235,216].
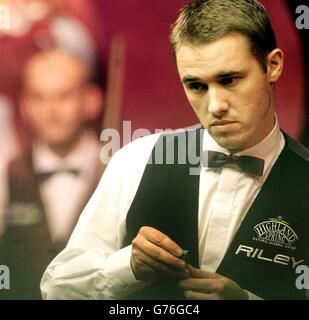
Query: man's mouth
[218,123]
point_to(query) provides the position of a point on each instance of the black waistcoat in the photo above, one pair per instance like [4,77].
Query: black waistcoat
[271,240]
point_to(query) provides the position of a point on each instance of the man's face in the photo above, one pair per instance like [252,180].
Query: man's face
[54,99]
[228,90]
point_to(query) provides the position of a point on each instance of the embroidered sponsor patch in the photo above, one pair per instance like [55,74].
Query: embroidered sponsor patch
[277,232]
[261,255]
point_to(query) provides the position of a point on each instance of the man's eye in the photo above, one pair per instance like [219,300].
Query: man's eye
[197,87]
[228,81]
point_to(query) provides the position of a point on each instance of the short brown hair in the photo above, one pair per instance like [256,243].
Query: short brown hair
[203,21]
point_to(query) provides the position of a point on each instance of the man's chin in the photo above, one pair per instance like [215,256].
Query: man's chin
[231,144]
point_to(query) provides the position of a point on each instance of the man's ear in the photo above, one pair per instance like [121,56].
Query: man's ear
[93,102]
[275,60]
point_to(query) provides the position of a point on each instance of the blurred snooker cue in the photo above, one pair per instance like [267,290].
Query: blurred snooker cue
[114,94]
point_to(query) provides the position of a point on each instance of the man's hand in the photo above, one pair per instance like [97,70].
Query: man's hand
[202,285]
[155,253]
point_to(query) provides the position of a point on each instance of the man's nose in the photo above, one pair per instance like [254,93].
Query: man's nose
[217,104]
[50,104]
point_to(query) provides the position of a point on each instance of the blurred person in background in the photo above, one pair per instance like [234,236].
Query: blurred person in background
[35,25]
[48,185]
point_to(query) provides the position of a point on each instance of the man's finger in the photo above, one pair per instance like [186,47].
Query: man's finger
[199,285]
[143,260]
[198,273]
[160,239]
[193,295]
[157,253]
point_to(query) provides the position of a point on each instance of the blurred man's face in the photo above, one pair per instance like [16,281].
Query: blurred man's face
[54,98]
[229,91]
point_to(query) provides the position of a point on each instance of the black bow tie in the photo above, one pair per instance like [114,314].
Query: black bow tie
[250,165]
[43,176]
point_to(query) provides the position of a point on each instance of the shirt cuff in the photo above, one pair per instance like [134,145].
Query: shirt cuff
[118,269]
[252,296]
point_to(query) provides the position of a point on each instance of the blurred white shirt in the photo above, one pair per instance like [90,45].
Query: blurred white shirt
[63,192]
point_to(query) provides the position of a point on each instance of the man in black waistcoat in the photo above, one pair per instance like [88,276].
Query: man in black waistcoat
[232,192]
[50,183]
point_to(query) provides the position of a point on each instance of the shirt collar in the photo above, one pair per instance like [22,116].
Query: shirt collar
[83,158]
[267,149]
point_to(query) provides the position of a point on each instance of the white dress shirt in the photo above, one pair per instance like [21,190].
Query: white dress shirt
[63,193]
[94,266]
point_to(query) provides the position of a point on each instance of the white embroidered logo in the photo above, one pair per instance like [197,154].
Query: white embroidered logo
[276,231]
